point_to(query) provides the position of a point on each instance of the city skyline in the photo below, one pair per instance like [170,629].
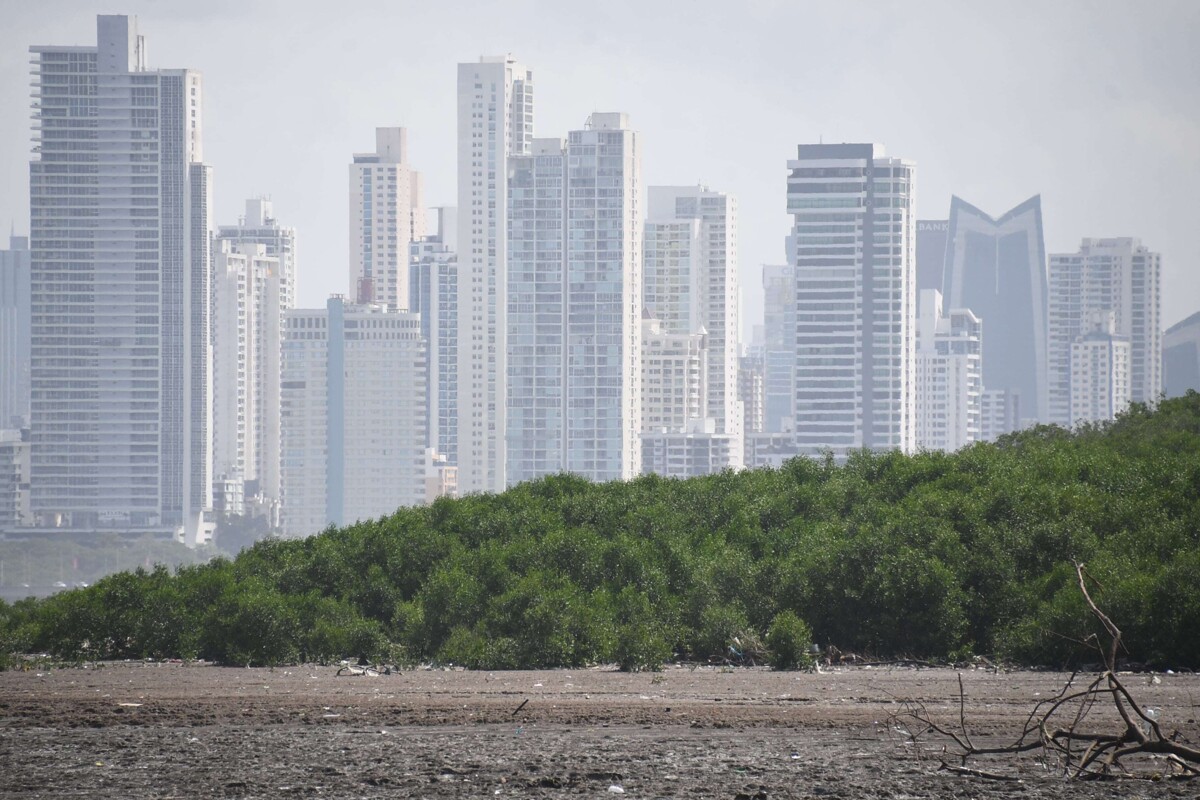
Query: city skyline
[1128,110]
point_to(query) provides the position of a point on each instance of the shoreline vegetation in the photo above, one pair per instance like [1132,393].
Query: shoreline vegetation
[929,556]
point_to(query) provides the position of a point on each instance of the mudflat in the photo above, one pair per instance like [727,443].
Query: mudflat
[143,730]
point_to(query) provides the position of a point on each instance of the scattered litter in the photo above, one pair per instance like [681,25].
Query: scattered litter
[330,716]
[130,705]
[614,789]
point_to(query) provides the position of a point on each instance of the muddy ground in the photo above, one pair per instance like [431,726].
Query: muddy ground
[171,730]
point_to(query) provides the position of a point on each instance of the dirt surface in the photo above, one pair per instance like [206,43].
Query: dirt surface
[171,730]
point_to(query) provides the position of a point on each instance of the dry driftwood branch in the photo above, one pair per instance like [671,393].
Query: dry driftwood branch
[1082,754]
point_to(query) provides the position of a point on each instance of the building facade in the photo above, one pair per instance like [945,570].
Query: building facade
[14,334]
[996,266]
[495,121]
[120,271]
[387,214]
[1181,357]
[1118,276]
[1101,371]
[353,414]
[14,479]
[779,347]
[259,226]
[851,250]
[949,376]
[433,293]
[247,318]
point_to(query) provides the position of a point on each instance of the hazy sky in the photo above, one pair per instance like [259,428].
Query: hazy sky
[1096,105]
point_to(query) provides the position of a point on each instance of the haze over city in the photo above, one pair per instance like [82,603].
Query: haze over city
[1094,105]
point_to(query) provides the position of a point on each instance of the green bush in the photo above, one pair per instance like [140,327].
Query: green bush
[790,641]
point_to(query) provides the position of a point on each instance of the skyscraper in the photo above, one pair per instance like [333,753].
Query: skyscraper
[353,414]
[1099,371]
[711,287]
[949,376]
[247,316]
[779,347]
[575,304]
[259,226]
[433,289]
[119,201]
[387,213]
[851,249]
[932,236]
[1181,357]
[997,268]
[14,334]
[495,121]
[1120,276]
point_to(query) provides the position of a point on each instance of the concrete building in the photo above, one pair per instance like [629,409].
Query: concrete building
[1120,276]
[932,237]
[706,285]
[495,121]
[996,266]
[999,413]
[752,392]
[387,214]
[246,321]
[674,379]
[14,479]
[433,293]
[1101,369]
[353,414]
[120,271]
[779,347]
[851,249]
[696,450]
[574,305]
[1181,357]
[14,334]
[949,377]
[259,226]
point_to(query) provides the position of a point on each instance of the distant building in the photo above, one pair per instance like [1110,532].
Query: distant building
[120,282]
[996,266]
[674,379]
[387,213]
[933,235]
[696,450]
[14,479]
[779,348]
[1100,371]
[259,226]
[441,477]
[433,293]
[949,376]
[14,334]
[353,414]
[752,392]
[1181,357]
[1116,277]
[1000,413]
[246,323]
[574,306]
[851,248]
[495,121]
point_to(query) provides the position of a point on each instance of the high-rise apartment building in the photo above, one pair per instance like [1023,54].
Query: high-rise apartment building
[1181,357]
[14,334]
[674,378]
[996,266]
[495,121]
[433,293]
[932,237]
[120,263]
[246,322]
[1100,370]
[779,347]
[259,226]
[851,249]
[14,479]
[387,213]
[353,413]
[752,392]
[949,376]
[574,305]
[1120,276]
[705,284]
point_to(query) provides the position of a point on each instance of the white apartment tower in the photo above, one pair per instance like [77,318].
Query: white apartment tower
[1101,370]
[674,378]
[119,202]
[574,306]
[353,412]
[14,334]
[387,213]
[949,376]
[851,249]
[1120,276]
[247,311]
[706,283]
[495,121]
[259,226]
[433,293]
